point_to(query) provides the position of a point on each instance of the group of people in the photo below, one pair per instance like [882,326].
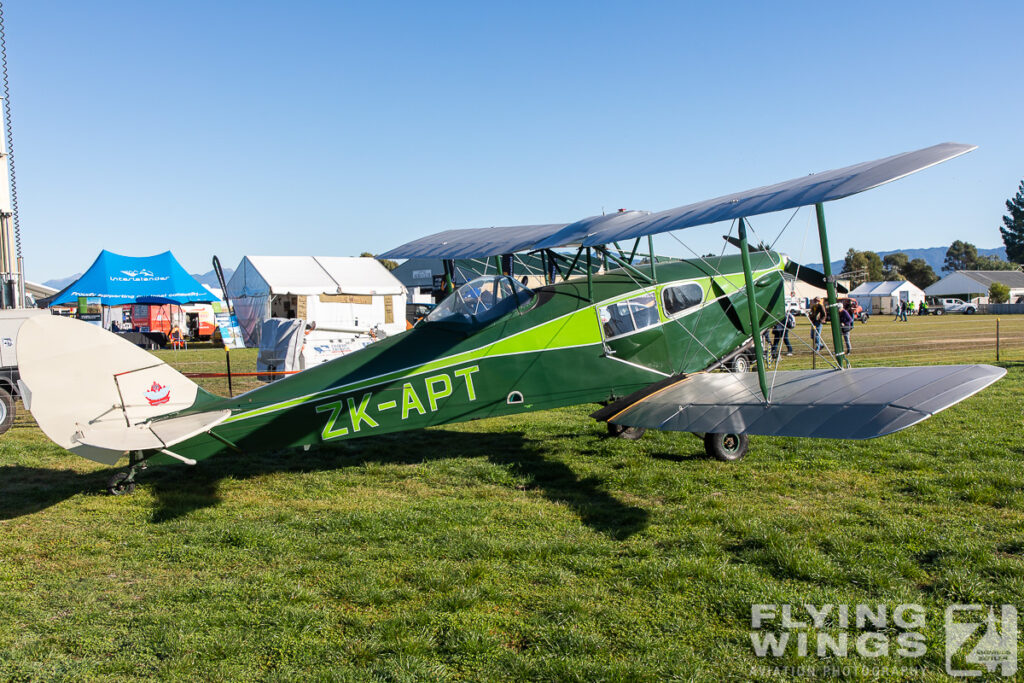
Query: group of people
[908,308]
[817,315]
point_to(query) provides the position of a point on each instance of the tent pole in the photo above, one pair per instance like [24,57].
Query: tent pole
[830,288]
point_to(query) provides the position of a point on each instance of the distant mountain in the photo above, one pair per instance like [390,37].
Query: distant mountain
[933,256]
[62,282]
[210,278]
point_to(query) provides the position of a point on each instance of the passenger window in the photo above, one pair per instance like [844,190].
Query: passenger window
[626,316]
[678,298]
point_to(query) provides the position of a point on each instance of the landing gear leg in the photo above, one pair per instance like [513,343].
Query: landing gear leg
[123,483]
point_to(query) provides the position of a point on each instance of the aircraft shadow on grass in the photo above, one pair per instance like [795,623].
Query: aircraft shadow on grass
[181,490]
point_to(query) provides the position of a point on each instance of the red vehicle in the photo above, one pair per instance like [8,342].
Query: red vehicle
[856,310]
[195,321]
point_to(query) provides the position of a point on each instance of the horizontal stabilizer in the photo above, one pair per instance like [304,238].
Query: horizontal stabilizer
[860,403]
[147,436]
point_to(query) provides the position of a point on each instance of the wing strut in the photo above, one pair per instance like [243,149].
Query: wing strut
[830,288]
[748,281]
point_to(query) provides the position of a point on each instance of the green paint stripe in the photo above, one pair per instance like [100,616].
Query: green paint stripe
[581,325]
[374,381]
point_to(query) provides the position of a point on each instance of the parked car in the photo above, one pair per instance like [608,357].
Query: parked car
[798,304]
[953,306]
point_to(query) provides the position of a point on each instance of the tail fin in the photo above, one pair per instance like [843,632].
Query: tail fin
[97,395]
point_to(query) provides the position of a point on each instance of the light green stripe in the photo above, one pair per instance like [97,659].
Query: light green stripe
[580,326]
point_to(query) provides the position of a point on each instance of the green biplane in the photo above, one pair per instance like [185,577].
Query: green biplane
[642,338]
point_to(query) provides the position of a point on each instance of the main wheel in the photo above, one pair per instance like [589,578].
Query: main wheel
[727,447]
[741,363]
[119,485]
[939,311]
[623,432]
[6,411]
[971,311]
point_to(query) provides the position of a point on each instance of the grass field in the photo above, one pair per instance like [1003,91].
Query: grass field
[522,548]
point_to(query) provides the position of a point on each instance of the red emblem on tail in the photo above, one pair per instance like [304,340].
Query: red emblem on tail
[158,395]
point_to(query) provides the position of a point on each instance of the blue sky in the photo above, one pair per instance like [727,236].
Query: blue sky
[235,128]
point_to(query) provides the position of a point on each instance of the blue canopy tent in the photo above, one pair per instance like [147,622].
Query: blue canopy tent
[117,280]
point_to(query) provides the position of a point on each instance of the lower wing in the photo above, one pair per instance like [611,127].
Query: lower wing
[859,403]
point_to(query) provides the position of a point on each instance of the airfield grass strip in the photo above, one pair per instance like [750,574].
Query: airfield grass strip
[522,548]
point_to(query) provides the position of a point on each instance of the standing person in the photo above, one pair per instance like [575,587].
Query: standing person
[903,310]
[910,308]
[846,326]
[780,333]
[817,318]
[790,324]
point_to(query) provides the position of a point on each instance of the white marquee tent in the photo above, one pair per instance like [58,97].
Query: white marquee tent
[344,294]
[884,297]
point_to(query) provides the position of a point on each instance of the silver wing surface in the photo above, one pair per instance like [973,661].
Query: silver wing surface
[803,191]
[859,403]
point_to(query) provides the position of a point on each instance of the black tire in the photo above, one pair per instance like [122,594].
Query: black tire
[740,363]
[970,311]
[726,447]
[624,432]
[7,410]
[939,311]
[119,485]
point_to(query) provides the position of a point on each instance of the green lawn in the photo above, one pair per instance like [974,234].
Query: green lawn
[521,548]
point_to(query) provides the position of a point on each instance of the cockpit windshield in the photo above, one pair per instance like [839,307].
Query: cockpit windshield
[481,300]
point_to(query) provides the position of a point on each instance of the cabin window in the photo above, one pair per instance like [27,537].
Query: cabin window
[627,316]
[678,298]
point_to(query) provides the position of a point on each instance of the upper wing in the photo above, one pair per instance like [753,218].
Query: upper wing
[475,242]
[803,191]
[858,403]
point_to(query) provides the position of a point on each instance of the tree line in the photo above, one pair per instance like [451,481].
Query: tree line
[868,266]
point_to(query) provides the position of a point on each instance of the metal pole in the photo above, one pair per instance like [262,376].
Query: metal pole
[997,340]
[755,329]
[227,355]
[21,283]
[623,264]
[654,268]
[590,278]
[632,254]
[449,276]
[830,289]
